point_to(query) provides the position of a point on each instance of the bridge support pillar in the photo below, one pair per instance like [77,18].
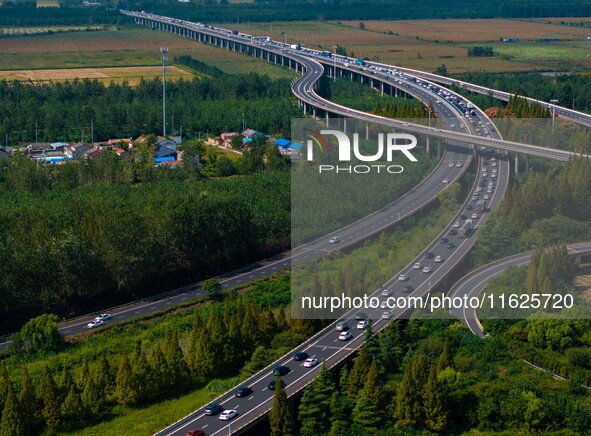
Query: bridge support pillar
[326,119]
[382,86]
[367,131]
[578,258]
[526,164]
[428,144]
[314,112]
[516,164]
[304,108]
[438,151]
[344,125]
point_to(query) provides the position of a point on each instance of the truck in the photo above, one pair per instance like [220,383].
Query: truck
[234,32]
[326,54]
[480,206]
[296,46]
[465,230]
[360,62]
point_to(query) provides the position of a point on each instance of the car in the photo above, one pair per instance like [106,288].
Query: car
[386,292]
[95,323]
[427,269]
[408,289]
[272,384]
[429,255]
[452,232]
[438,259]
[443,240]
[459,164]
[494,176]
[281,370]
[486,196]
[474,198]
[403,277]
[469,207]
[243,392]
[387,314]
[342,326]
[345,336]
[360,316]
[213,409]
[451,245]
[334,240]
[485,174]
[451,165]
[310,362]
[417,265]
[227,415]
[474,216]
[456,224]
[197,432]
[494,164]
[104,317]
[446,180]
[362,324]
[384,304]
[298,357]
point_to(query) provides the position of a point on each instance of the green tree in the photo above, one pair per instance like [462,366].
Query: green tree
[280,417]
[12,422]
[125,387]
[366,414]
[409,406]
[445,360]
[92,398]
[434,403]
[213,288]
[28,401]
[176,368]
[72,407]
[314,410]
[358,374]
[51,405]
[42,333]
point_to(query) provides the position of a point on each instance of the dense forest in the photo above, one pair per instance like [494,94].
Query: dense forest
[63,111]
[75,385]
[17,12]
[425,377]
[570,90]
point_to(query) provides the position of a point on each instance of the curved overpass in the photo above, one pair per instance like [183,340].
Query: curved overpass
[472,284]
[309,62]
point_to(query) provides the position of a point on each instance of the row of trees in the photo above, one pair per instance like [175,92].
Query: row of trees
[63,111]
[547,269]
[519,107]
[439,380]
[481,51]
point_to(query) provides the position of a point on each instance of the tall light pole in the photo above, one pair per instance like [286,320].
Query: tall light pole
[334,71]
[164,51]
[553,101]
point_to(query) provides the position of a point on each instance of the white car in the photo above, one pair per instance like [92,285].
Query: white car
[95,323]
[403,278]
[489,191]
[494,164]
[386,292]
[459,164]
[345,336]
[384,304]
[427,269]
[103,317]
[457,224]
[227,415]
[474,216]
[334,240]
[486,196]
[451,165]
[387,314]
[438,259]
[485,174]
[445,181]
[362,324]
[474,198]
[310,363]
[494,176]
[417,265]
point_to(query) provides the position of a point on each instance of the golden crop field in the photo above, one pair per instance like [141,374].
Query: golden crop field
[129,74]
[477,30]
[26,31]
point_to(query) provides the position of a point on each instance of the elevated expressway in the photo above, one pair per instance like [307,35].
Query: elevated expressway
[325,346]
[308,62]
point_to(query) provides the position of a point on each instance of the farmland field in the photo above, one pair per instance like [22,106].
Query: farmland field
[474,30]
[129,47]
[130,74]
[27,31]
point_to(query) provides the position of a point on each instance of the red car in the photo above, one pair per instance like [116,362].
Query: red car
[195,433]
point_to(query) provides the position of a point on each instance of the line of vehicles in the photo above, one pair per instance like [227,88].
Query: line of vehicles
[99,321]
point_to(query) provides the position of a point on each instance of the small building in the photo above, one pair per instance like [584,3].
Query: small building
[165,154]
[39,148]
[161,141]
[283,143]
[249,133]
[76,151]
[227,138]
[510,39]
[119,142]
[121,154]
[215,141]
[59,146]
[94,152]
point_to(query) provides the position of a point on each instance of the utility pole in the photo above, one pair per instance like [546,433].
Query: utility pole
[553,101]
[36,136]
[334,71]
[164,51]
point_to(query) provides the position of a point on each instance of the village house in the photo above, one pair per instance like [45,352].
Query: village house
[76,151]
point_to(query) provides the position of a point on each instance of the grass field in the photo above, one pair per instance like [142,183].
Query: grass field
[130,74]
[129,47]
